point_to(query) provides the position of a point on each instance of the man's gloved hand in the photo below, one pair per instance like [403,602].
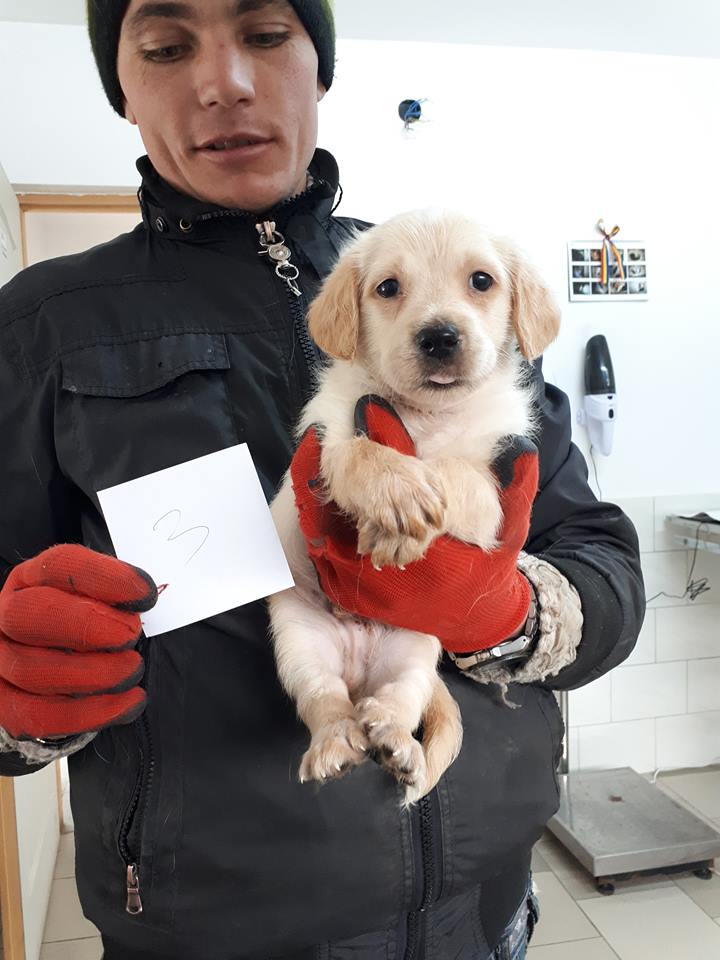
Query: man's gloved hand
[469,598]
[69,620]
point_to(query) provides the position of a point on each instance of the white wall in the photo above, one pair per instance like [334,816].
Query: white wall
[43,11]
[58,128]
[538,143]
[661,708]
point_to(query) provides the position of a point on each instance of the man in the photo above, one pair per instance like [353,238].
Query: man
[194,839]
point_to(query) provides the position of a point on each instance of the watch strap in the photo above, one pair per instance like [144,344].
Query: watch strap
[516,648]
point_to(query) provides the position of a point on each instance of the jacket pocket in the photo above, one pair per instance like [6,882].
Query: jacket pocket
[133,408]
[141,366]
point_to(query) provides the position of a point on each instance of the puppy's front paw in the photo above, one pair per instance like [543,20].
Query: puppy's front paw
[402,517]
[394,746]
[390,549]
[334,750]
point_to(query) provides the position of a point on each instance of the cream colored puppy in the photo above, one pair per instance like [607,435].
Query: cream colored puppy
[432,313]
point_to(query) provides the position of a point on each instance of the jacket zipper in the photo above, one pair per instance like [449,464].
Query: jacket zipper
[306,346]
[274,246]
[425,819]
[135,813]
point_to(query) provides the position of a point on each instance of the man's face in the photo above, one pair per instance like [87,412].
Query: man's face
[202,71]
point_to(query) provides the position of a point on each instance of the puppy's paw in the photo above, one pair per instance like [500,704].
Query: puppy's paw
[390,549]
[476,516]
[334,750]
[393,745]
[403,514]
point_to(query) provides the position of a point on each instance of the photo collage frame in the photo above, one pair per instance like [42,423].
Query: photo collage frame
[585,272]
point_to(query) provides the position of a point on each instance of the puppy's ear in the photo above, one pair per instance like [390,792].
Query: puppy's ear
[334,316]
[535,314]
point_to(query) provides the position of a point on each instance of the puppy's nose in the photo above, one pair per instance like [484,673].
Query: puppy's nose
[439,342]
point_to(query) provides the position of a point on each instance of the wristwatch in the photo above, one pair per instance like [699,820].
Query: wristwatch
[58,743]
[516,649]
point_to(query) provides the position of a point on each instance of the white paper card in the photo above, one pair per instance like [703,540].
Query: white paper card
[204,529]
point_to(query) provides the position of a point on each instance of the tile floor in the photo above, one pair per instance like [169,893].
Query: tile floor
[662,918]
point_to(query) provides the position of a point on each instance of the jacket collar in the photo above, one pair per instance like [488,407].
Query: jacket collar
[178,216]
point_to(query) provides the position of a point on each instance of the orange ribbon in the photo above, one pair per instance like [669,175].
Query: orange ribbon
[608,248]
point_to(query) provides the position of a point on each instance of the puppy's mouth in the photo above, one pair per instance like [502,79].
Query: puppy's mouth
[444,381]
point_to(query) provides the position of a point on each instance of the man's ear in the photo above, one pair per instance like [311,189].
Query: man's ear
[535,314]
[334,315]
[321,91]
[129,115]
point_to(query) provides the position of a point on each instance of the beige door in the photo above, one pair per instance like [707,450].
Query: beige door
[56,232]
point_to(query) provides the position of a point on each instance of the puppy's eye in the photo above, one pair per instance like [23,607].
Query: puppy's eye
[389,289]
[481,281]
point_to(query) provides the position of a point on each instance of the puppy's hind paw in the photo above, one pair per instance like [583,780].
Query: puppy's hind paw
[334,751]
[394,746]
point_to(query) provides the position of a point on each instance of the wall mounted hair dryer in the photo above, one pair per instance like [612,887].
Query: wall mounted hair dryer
[599,409]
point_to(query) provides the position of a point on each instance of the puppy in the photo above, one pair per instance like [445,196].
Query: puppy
[433,314]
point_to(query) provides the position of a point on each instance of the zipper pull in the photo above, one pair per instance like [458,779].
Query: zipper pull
[134,903]
[267,232]
[272,245]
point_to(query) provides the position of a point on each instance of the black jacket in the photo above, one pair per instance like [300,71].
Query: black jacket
[174,341]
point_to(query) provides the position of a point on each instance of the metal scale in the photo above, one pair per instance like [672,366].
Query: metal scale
[619,825]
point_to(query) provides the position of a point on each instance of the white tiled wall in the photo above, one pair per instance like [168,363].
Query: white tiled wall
[661,708]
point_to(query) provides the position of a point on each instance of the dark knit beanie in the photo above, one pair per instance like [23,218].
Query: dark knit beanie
[105,18]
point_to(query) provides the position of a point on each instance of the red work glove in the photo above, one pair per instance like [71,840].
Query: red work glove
[69,619]
[469,598]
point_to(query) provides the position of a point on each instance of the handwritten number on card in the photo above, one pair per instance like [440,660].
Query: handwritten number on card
[176,536]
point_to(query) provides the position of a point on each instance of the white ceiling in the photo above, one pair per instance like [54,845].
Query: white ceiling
[690,28]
